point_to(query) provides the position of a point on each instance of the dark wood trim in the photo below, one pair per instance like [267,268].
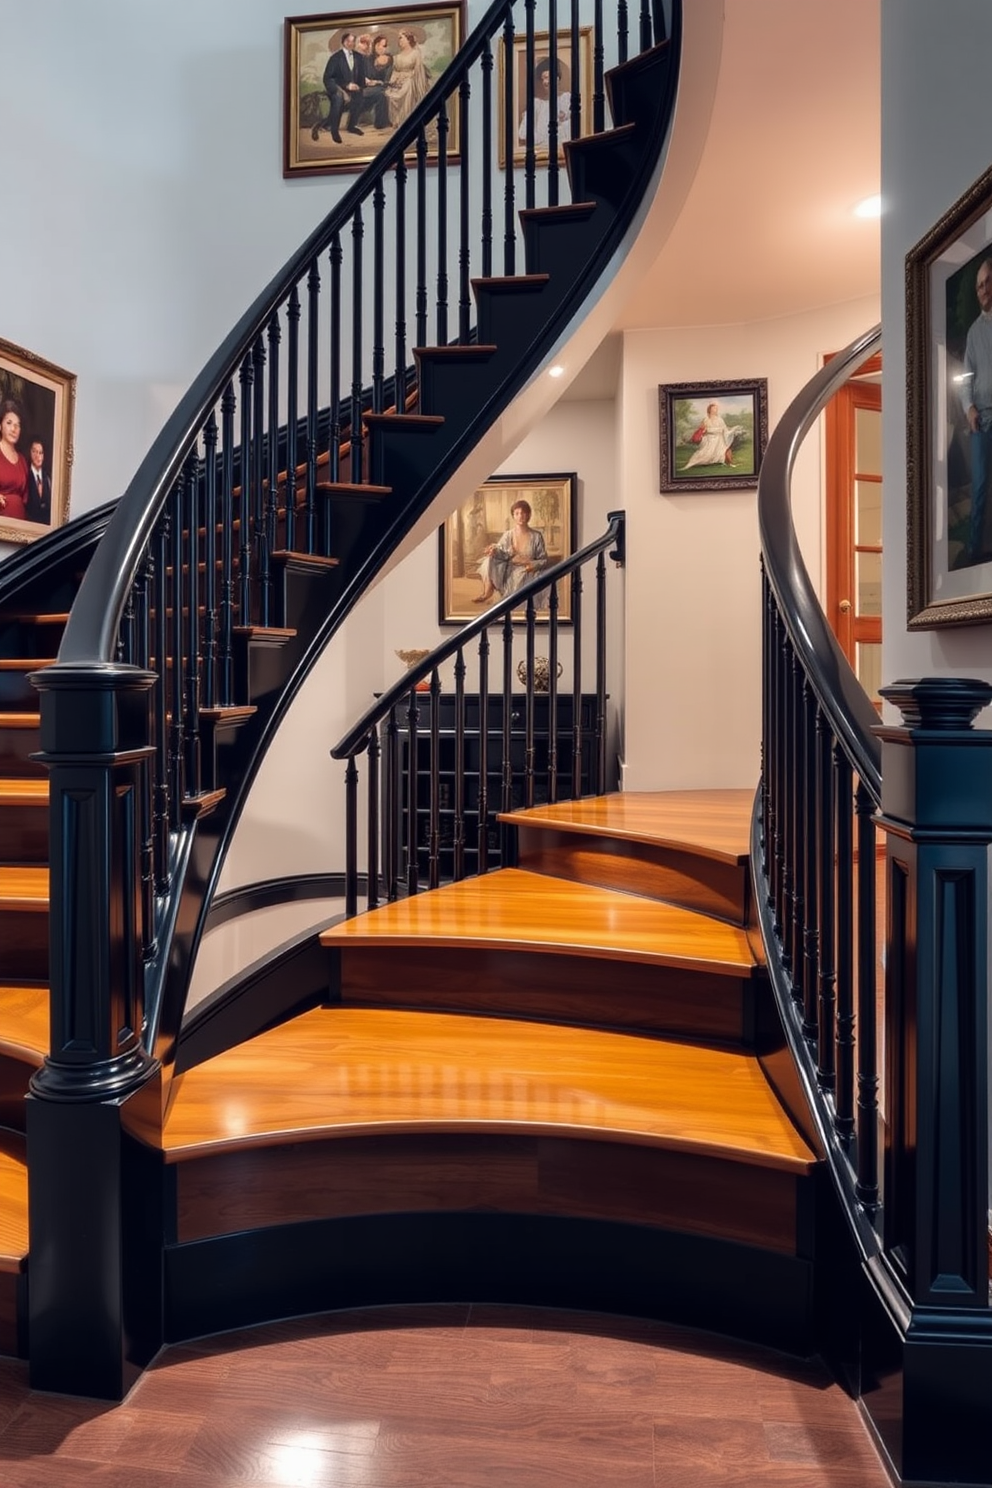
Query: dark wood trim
[291,888]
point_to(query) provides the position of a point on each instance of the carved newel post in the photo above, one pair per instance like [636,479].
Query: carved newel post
[94,1297]
[937,814]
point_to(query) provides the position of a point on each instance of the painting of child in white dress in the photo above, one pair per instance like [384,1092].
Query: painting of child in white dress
[712,436]
[508,531]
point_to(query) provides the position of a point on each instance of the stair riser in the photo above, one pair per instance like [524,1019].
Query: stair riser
[438,1172]
[16,747]
[653,871]
[604,993]
[16,692]
[555,247]
[14,1077]
[23,834]
[24,946]
[601,169]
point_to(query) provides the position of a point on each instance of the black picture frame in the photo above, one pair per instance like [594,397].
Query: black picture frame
[683,412]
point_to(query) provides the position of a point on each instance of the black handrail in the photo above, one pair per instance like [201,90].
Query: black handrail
[814,839]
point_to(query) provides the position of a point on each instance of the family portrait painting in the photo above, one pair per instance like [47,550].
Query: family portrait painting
[352,80]
[36,411]
[713,434]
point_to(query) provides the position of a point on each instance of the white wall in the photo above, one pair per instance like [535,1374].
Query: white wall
[936,141]
[693,679]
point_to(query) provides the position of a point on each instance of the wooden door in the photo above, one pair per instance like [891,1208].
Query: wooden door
[854,523]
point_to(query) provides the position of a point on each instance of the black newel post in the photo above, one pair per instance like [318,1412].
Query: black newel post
[95,1298]
[937,814]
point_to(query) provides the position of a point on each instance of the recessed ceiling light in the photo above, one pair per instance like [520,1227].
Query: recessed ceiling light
[556,371]
[870,207]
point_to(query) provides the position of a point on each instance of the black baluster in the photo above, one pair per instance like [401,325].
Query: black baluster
[272,484]
[192,659]
[351,839]
[372,895]
[598,91]
[507,767]
[577,731]
[412,777]
[510,145]
[805,899]
[575,100]
[465,223]
[458,865]
[244,503]
[486,221]
[553,694]
[788,821]
[313,362]
[378,291]
[391,836]
[160,703]
[441,239]
[623,28]
[210,612]
[845,909]
[529,707]
[356,433]
[399,264]
[600,785]
[258,481]
[292,411]
[530,161]
[227,593]
[867,1185]
[825,818]
[146,828]
[421,295]
[483,822]
[334,421]
[177,785]
[553,103]
[434,840]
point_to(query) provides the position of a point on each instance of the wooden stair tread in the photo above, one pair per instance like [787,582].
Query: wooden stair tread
[350,1072]
[28,792]
[20,720]
[24,1021]
[25,663]
[513,909]
[13,1203]
[712,823]
[24,888]
[25,617]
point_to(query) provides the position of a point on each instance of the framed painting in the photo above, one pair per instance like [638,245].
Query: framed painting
[552,96]
[949,416]
[37,403]
[352,79]
[713,434]
[509,529]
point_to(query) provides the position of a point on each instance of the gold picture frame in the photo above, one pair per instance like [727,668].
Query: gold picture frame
[326,133]
[542,113]
[37,406]
[475,546]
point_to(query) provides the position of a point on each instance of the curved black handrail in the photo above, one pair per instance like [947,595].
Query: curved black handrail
[358,736]
[837,689]
[813,846]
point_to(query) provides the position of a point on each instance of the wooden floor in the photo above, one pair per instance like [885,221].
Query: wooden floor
[355,1071]
[448,1397]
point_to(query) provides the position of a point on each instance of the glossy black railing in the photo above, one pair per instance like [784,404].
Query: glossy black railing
[820,791]
[431,810]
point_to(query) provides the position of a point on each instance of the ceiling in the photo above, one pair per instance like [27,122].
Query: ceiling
[768,228]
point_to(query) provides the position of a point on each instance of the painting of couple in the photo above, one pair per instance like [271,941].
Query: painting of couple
[353,80]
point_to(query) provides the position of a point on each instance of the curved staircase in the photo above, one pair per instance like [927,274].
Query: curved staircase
[530,1084]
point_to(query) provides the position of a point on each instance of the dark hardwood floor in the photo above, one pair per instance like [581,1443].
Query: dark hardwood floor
[448,1397]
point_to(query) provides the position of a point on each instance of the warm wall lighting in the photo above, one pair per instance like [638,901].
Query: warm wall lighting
[870,207]
[556,371]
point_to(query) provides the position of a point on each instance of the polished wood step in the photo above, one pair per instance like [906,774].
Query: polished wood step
[26,792]
[13,1210]
[357,1072]
[24,889]
[347,1112]
[516,909]
[24,1042]
[686,847]
[24,820]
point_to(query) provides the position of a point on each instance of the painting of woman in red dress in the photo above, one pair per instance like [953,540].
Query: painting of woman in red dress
[13,466]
